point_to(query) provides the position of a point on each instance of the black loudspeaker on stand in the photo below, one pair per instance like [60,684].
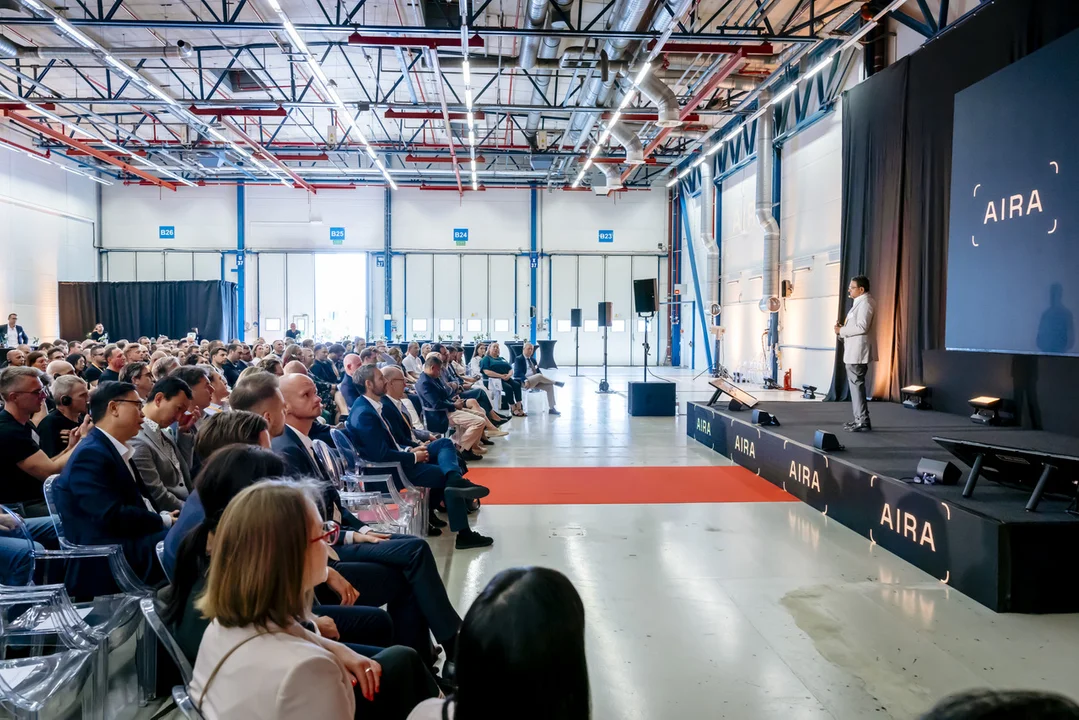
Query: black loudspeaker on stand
[606,315]
[646,306]
[575,321]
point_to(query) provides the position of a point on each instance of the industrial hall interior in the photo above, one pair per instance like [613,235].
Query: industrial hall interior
[539,359]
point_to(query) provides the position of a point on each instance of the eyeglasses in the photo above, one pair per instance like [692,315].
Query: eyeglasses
[137,402]
[40,392]
[330,531]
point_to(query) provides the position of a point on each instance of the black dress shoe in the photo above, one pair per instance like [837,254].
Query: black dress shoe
[500,421]
[848,426]
[863,427]
[559,383]
[435,521]
[552,411]
[432,531]
[472,506]
[471,456]
[468,539]
[485,441]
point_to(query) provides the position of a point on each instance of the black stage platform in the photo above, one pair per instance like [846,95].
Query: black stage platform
[987,546]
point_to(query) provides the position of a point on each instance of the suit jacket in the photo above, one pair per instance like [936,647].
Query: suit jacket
[373,439]
[19,339]
[399,427]
[349,391]
[299,462]
[325,371]
[165,485]
[437,401]
[101,503]
[857,332]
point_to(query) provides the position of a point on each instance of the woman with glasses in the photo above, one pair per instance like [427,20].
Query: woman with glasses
[229,472]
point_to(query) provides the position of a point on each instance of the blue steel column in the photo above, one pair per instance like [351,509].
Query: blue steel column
[241,260]
[387,262]
[696,287]
[675,274]
[717,233]
[533,263]
[777,193]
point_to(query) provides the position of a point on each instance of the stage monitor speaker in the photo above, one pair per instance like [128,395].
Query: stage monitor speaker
[936,472]
[652,399]
[575,318]
[824,440]
[644,296]
[760,417]
[606,314]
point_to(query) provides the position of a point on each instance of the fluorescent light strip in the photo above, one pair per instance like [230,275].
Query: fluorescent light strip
[673,181]
[627,99]
[712,150]
[732,134]
[294,36]
[698,162]
[74,34]
[819,66]
[466,70]
[786,92]
[642,73]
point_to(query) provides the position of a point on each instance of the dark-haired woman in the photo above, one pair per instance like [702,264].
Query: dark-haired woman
[524,632]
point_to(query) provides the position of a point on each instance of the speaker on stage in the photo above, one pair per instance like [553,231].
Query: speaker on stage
[575,318]
[760,417]
[826,441]
[936,472]
[606,314]
[644,296]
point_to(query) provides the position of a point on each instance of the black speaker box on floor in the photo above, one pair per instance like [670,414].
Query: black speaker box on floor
[652,399]
[644,296]
[761,417]
[575,318]
[824,440]
[938,472]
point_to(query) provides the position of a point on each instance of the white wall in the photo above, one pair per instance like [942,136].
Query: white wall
[488,279]
[48,221]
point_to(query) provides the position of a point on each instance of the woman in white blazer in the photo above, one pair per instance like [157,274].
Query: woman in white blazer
[256,659]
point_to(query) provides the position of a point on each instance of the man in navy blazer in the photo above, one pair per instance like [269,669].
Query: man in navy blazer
[348,389]
[374,441]
[12,334]
[99,495]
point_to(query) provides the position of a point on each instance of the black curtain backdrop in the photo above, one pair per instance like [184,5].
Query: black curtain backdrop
[897,151]
[130,309]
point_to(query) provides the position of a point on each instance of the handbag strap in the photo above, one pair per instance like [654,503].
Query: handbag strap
[213,674]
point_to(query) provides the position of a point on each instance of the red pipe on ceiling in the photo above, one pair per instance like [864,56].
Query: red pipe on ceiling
[78,145]
[30,151]
[442,159]
[692,48]
[269,156]
[244,112]
[24,106]
[474,41]
[127,153]
[647,117]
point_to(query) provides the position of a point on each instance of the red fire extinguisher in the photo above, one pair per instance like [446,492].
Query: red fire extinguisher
[787,380]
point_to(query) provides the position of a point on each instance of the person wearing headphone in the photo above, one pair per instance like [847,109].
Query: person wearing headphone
[71,394]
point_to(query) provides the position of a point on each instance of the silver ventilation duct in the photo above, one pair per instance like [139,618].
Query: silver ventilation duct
[614,180]
[770,300]
[548,50]
[657,91]
[708,237]
[627,138]
[8,50]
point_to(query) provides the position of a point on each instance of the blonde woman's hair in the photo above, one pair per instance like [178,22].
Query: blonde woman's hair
[257,565]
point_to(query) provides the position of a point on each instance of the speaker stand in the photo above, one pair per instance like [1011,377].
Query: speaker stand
[644,370]
[576,352]
[604,386]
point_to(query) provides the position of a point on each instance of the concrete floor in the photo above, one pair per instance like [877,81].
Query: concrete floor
[741,610]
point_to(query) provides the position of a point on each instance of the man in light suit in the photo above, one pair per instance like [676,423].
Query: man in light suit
[163,467]
[856,333]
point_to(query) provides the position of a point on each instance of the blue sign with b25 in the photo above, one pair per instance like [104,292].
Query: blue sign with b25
[606,236]
[337,235]
[166,232]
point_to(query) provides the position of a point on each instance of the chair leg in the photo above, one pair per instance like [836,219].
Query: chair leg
[146,664]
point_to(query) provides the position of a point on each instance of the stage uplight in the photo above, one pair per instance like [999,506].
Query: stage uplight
[760,417]
[809,392]
[915,397]
[826,441]
[986,409]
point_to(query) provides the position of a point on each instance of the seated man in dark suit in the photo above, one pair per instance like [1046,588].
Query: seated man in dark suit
[374,441]
[99,494]
[348,388]
[408,556]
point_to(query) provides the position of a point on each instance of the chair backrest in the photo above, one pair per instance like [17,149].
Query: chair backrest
[159,549]
[330,461]
[149,611]
[16,537]
[184,703]
[50,502]
[345,449]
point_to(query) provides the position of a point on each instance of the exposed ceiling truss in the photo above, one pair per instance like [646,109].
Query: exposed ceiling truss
[430,93]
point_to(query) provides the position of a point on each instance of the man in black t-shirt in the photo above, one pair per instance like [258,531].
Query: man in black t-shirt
[115,361]
[96,364]
[292,332]
[71,395]
[23,466]
[233,365]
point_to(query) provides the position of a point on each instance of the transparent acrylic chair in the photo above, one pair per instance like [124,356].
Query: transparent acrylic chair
[411,501]
[367,505]
[50,686]
[185,704]
[121,613]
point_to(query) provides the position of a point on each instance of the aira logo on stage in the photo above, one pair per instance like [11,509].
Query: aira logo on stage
[745,446]
[906,524]
[704,426]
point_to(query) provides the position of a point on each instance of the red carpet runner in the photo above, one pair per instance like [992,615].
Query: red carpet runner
[623,485]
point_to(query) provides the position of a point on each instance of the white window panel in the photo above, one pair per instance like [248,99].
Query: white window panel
[618,326]
[474,325]
[502,326]
[591,326]
[419,325]
[564,326]
[641,325]
[273,324]
[446,324]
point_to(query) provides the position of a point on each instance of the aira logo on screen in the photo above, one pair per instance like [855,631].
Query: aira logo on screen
[1015,206]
